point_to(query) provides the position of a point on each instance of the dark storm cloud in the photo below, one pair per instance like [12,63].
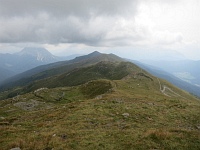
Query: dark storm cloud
[61,21]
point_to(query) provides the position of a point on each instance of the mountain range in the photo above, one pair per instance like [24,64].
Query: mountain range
[55,69]
[27,58]
[42,56]
[96,101]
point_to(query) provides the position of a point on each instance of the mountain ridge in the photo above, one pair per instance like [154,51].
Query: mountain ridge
[54,69]
[99,102]
[64,72]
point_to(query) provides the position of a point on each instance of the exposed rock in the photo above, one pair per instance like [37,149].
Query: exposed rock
[149,118]
[30,105]
[198,127]
[40,89]
[125,115]
[16,148]
[118,100]
[99,97]
[2,118]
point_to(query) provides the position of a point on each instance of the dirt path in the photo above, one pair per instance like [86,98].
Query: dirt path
[165,88]
[162,90]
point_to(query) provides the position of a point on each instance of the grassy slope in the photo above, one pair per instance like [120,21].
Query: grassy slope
[101,70]
[130,113]
[49,74]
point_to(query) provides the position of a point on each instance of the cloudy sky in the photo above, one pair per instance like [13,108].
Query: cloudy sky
[135,29]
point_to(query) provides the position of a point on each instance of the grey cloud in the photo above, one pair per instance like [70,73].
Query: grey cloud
[70,30]
[61,21]
[61,8]
[90,22]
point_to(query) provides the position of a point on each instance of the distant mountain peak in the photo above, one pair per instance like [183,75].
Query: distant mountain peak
[95,53]
[39,53]
[33,50]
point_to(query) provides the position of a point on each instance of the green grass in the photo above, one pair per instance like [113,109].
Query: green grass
[74,77]
[96,88]
[94,116]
